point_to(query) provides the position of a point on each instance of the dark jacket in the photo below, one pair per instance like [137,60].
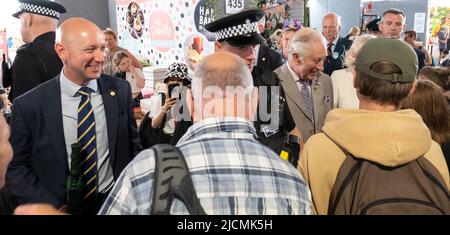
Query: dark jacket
[39,169]
[420,57]
[263,78]
[277,140]
[334,62]
[268,58]
[35,63]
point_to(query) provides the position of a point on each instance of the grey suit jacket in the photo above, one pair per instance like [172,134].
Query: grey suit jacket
[322,96]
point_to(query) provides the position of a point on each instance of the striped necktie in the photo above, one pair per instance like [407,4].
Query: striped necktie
[329,52]
[87,139]
[306,94]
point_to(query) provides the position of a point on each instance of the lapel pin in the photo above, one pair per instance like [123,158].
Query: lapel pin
[263,59]
[112,93]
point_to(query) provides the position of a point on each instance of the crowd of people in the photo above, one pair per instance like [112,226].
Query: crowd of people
[322,124]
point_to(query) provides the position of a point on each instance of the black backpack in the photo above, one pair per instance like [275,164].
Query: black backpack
[367,188]
[172,180]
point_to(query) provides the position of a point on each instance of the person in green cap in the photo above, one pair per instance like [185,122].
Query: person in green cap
[379,133]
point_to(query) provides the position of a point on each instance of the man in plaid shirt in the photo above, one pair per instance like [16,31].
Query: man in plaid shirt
[232,172]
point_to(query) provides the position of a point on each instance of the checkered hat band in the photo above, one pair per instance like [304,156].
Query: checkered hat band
[237,30]
[39,10]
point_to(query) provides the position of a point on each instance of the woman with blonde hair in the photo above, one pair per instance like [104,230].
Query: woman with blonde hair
[111,49]
[429,101]
[125,70]
[353,33]
[343,91]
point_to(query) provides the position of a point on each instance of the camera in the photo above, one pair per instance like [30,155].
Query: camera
[174,90]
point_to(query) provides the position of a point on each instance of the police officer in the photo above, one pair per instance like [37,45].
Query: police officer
[36,61]
[239,34]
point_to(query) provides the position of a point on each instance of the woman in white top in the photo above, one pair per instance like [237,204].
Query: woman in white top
[111,49]
[162,112]
[343,91]
[135,76]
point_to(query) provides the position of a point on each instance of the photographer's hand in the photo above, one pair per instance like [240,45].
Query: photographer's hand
[168,104]
[157,120]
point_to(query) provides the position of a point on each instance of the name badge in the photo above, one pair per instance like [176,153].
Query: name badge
[270,130]
[335,55]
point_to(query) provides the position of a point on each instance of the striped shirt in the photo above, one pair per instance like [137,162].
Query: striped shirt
[232,172]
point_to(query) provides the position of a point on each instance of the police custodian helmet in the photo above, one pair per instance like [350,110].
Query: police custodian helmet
[40,7]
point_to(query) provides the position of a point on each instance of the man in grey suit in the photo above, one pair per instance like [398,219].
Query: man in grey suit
[309,92]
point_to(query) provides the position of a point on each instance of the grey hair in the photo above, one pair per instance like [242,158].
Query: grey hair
[358,43]
[338,18]
[302,40]
[213,71]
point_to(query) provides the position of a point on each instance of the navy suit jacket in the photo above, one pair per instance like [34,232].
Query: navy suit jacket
[333,63]
[39,169]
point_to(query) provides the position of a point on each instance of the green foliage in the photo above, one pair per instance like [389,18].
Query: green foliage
[260,3]
[305,13]
[213,5]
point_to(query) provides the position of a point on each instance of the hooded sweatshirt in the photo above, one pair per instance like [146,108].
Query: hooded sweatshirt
[388,138]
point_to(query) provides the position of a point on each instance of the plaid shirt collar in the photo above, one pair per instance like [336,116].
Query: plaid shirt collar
[215,127]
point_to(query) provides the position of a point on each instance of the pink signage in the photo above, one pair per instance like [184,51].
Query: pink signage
[162,32]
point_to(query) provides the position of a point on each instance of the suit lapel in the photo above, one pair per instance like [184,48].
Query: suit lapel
[291,89]
[52,114]
[318,96]
[110,96]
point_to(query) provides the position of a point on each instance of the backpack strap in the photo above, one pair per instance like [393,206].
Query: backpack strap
[172,180]
[337,193]
[349,167]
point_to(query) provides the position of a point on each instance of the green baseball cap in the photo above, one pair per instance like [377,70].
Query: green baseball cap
[391,50]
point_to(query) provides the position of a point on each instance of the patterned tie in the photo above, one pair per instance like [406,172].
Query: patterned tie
[307,98]
[329,52]
[87,139]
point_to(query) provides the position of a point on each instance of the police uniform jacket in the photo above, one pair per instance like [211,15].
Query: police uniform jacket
[35,63]
[272,136]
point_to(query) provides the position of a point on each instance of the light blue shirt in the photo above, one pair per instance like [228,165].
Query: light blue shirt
[70,101]
[334,44]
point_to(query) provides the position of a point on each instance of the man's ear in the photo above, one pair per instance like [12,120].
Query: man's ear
[218,46]
[297,59]
[28,20]
[59,48]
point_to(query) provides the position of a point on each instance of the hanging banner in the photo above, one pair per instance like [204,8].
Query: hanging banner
[165,31]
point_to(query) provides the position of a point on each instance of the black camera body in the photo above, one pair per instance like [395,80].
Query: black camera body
[171,88]
[293,148]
